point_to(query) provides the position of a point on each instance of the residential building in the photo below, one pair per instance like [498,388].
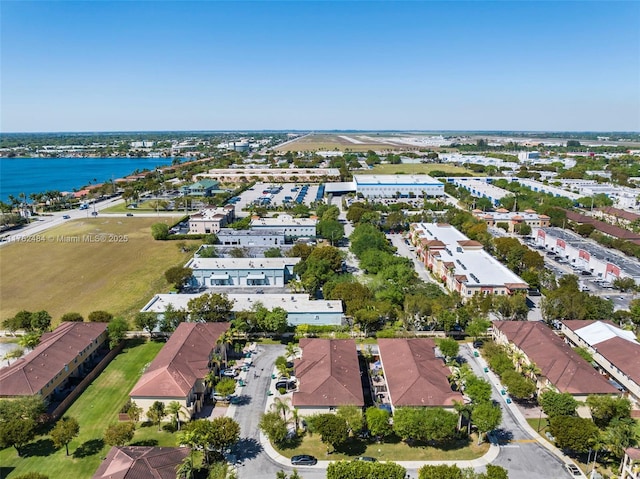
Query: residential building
[512,218]
[551,361]
[413,375]
[460,263]
[630,467]
[178,371]
[389,186]
[614,350]
[617,216]
[480,188]
[241,272]
[249,238]
[211,220]
[67,353]
[328,376]
[203,187]
[291,227]
[300,309]
[137,462]
[586,255]
[602,227]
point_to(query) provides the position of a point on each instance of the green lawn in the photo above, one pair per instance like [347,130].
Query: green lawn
[393,450]
[95,409]
[423,168]
[540,425]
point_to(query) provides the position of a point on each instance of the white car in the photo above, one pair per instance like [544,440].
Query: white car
[573,470]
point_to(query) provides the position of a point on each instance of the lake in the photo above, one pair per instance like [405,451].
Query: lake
[37,175]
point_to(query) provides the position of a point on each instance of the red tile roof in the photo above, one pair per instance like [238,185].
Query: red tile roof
[28,375]
[557,361]
[627,215]
[415,376]
[328,373]
[181,362]
[606,228]
[633,453]
[141,462]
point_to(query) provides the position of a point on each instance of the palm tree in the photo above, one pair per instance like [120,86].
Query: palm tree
[281,407]
[531,370]
[185,469]
[225,340]
[174,408]
[291,351]
[463,410]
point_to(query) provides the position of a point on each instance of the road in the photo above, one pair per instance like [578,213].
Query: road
[520,454]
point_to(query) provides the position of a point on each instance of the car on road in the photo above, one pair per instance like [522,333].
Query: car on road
[303,460]
[366,459]
[129,214]
[66,217]
[573,470]
[94,213]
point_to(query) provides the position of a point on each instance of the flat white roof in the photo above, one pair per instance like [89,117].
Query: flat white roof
[283,221]
[481,187]
[396,180]
[241,263]
[292,303]
[472,263]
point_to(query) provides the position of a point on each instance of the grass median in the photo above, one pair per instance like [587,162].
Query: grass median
[102,263]
[95,409]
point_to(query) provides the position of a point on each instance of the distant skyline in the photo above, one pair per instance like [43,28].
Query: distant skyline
[146,66]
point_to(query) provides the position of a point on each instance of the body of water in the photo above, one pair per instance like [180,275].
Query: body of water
[37,175]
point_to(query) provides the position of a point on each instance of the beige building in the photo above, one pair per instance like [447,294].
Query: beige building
[69,352]
[211,220]
[513,219]
[178,371]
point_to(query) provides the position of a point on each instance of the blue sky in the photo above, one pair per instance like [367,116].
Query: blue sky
[101,66]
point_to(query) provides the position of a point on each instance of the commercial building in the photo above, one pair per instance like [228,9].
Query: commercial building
[241,272]
[559,367]
[69,352]
[460,263]
[513,219]
[300,309]
[586,255]
[249,238]
[211,220]
[413,375]
[135,462]
[328,376]
[178,371]
[204,187]
[291,227]
[614,350]
[272,175]
[389,186]
[548,189]
[528,156]
[480,188]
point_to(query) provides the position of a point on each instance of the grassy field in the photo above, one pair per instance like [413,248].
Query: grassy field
[394,450]
[423,168]
[95,409]
[75,270]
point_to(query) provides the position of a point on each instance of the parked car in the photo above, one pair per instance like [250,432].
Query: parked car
[94,213]
[303,460]
[573,470]
[66,217]
[230,373]
[286,384]
[366,459]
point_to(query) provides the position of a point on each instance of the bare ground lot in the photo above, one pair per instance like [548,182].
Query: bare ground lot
[86,265]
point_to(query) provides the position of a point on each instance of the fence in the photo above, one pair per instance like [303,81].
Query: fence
[79,389]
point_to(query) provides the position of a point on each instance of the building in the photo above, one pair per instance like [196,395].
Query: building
[586,255]
[328,376]
[66,354]
[300,309]
[291,227]
[248,238]
[203,187]
[178,371]
[630,467]
[460,263]
[528,156]
[211,220]
[135,462]
[513,219]
[241,272]
[413,375]
[272,175]
[548,189]
[559,367]
[614,350]
[389,186]
[617,216]
[602,227]
[480,188]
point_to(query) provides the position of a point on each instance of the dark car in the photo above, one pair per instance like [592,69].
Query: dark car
[366,459]
[94,213]
[303,460]
[285,384]
[129,214]
[66,217]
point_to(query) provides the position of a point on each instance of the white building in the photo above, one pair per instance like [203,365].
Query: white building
[241,272]
[388,186]
[549,189]
[300,309]
[261,237]
[480,188]
[528,156]
[288,225]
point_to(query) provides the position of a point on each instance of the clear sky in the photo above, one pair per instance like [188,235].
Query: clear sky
[101,66]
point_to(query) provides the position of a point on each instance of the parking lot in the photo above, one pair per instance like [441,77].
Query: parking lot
[276,194]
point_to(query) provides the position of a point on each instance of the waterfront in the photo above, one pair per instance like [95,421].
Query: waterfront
[37,175]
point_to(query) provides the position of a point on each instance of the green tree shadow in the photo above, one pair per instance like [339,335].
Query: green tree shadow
[89,448]
[39,448]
